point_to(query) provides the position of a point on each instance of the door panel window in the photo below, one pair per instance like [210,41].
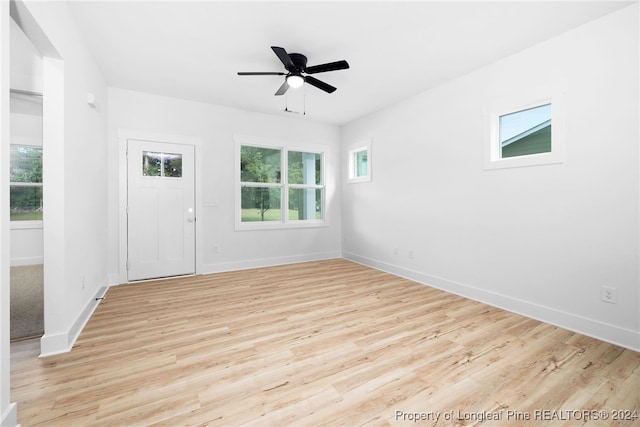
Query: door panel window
[167,165]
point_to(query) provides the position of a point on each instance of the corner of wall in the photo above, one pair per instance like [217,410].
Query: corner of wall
[62,342]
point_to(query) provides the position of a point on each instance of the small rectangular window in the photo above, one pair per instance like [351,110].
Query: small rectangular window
[359,162]
[25,176]
[161,164]
[525,128]
[360,165]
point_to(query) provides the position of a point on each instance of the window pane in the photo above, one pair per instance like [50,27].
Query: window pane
[360,166]
[172,165]
[304,168]
[305,203]
[526,132]
[25,164]
[261,204]
[25,203]
[260,164]
[151,163]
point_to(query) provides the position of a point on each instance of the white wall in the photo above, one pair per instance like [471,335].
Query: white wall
[8,415]
[536,240]
[216,127]
[26,62]
[75,172]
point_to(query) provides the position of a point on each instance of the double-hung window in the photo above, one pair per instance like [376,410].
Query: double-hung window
[280,187]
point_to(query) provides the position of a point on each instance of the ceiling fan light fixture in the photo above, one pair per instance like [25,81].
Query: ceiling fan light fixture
[295,80]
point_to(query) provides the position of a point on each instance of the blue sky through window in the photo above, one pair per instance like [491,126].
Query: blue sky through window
[515,123]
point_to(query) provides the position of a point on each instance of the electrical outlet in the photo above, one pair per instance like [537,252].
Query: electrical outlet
[412,254]
[608,294]
[216,248]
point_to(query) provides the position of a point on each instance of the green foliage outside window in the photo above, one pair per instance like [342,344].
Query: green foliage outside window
[260,165]
[25,175]
[26,164]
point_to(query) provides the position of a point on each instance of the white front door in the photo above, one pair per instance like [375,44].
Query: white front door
[161,209]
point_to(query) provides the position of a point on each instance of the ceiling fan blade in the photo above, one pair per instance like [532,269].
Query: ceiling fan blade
[319,84]
[331,66]
[284,57]
[282,89]
[259,73]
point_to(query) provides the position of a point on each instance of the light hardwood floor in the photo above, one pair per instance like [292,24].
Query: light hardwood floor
[321,343]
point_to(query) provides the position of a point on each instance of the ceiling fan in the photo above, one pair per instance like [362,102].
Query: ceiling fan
[296,66]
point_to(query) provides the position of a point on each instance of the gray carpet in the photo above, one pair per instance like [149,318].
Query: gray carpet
[27,302]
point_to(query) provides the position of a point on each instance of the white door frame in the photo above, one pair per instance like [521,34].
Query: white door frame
[123,136]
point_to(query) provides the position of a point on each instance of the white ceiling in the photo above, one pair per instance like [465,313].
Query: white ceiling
[193,50]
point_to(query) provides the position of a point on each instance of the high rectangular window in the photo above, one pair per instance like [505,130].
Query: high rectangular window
[359,161]
[525,128]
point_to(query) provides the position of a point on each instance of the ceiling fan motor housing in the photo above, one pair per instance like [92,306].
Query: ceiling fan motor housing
[300,62]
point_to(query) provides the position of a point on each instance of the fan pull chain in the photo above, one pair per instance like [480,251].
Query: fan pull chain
[286,103]
[304,103]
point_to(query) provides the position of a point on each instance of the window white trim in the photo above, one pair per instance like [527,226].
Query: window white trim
[284,147]
[26,225]
[26,141]
[519,102]
[353,150]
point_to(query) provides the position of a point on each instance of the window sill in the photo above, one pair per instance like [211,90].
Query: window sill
[523,161]
[359,179]
[25,225]
[276,225]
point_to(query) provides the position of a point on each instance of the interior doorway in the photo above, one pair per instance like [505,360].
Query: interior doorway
[26,188]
